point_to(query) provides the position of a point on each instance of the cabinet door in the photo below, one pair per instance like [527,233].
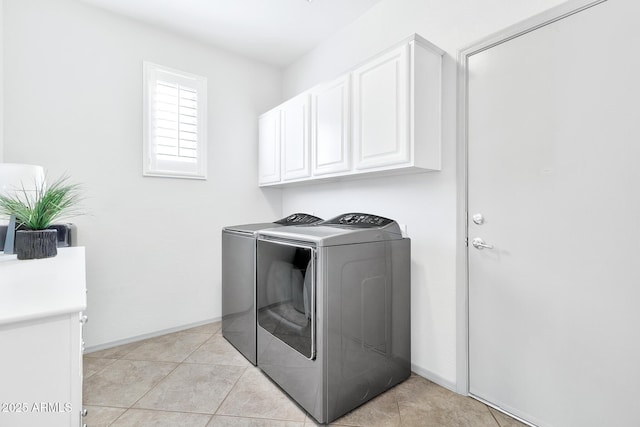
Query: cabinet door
[269,147]
[40,367]
[295,138]
[381,111]
[330,127]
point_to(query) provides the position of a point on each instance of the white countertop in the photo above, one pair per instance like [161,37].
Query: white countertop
[33,289]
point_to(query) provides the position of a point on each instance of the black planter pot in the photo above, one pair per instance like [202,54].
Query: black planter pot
[35,244]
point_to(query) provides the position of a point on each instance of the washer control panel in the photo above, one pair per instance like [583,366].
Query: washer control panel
[298,219]
[361,220]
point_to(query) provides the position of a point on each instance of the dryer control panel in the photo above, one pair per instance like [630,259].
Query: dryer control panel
[360,220]
[298,219]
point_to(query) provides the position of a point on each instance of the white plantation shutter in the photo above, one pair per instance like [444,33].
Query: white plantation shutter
[175,123]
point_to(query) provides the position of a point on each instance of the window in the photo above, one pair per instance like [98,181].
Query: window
[175,137]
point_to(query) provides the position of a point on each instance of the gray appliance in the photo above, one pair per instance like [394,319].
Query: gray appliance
[333,305]
[238,281]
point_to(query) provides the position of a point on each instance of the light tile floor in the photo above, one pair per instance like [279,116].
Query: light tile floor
[196,378]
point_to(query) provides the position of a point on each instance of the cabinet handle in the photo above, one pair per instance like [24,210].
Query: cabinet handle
[85,411]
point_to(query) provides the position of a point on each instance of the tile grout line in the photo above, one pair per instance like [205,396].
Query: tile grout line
[118,417]
[105,367]
[164,411]
[197,348]
[152,387]
[398,405]
[126,409]
[230,390]
[244,417]
[123,357]
[243,370]
[99,370]
[178,364]
[246,369]
[287,396]
[493,416]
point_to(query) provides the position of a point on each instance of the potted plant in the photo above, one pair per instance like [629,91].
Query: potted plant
[35,211]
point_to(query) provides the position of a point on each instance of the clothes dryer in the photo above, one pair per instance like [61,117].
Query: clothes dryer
[239,281]
[334,313]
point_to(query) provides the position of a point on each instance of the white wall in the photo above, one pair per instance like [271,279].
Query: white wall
[1,79]
[73,102]
[426,203]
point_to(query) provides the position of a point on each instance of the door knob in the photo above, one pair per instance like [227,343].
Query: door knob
[478,243]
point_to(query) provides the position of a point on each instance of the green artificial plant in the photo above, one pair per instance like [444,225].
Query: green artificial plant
[37,209]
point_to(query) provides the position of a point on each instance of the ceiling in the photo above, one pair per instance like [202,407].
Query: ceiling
[276,32]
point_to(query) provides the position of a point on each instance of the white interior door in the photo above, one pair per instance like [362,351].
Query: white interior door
[554,171]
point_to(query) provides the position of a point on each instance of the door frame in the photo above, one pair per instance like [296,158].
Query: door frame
[462,250]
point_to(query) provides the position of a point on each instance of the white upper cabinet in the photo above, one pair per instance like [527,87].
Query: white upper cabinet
[295,138]
[425,105]
[380,111]
[269,148]
[330,131]
[382,117]
[397,115]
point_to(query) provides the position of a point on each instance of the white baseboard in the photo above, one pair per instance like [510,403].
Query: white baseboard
[425,373]
[136,338]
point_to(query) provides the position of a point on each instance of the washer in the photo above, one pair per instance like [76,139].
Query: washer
[334,312]
[239,281]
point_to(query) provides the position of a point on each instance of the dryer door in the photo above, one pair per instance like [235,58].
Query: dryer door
[286,288]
